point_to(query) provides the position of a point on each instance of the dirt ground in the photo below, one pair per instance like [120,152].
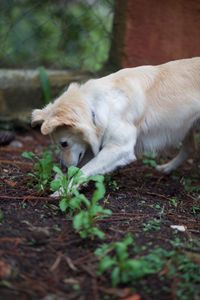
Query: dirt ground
[42,258]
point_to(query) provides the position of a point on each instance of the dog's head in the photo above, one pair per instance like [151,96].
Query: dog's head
[69,121]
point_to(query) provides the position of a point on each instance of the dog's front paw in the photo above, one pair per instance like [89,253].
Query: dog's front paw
[165,168]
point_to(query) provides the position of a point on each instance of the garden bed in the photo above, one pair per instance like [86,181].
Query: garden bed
[41,257]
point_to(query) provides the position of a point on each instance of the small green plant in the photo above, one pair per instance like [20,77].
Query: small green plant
[191,185]
[174,201]
[149,159]
[152,225]
[114,259]
[110,182]
[42,168]
[1,216]
[196,209]
[85,212]
[68,187]
[85,221]
[157,206]
[184,270]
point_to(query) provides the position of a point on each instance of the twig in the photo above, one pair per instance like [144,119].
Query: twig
[95,289]
[26,198]
[157,195]
[14,162]
[70,263]
[56,263]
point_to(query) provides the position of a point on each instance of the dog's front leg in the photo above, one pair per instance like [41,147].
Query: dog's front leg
[108,159]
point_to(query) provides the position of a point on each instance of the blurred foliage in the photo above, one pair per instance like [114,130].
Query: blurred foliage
[57,34]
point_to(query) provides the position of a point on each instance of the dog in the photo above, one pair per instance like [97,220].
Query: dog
[108,122]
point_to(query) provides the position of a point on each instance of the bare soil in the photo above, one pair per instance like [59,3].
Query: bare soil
[41,257]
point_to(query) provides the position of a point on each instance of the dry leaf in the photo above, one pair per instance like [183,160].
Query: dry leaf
[10,183]
[133,297]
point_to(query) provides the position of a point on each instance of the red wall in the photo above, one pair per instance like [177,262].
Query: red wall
[155,31]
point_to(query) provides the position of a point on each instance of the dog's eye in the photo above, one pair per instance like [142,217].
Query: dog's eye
[64,144]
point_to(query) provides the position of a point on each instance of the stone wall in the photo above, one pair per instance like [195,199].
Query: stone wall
[155,31]
[20,90]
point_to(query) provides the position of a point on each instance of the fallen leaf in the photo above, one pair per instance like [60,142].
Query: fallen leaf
[181,228]
[10,183]
[70,281]
[121,293]
[133,297]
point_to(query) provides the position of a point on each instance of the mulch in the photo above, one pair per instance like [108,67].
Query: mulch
[41,257]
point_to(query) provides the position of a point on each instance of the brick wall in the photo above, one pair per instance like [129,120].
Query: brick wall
[154,31]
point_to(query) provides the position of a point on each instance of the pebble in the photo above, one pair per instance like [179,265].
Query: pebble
[16,144]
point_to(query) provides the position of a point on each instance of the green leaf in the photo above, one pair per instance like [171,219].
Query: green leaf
[97,178]
[128,240]
[72,171]
[99,192]
[1,216]
[107,212]
[75,202]
[28,154]
[106,263]
[121,250]
[31,174]
[138,268]
[55,185]
[78,220]
[100,234]
[115,276]
[101,251]
[84,200]
[57,170]
[63,204]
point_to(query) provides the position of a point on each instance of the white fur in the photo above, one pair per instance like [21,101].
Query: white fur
[136,109]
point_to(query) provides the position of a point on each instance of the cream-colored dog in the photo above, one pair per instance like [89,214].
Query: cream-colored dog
[125,113]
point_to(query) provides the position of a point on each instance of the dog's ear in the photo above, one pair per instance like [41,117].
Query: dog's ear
[37,117]
[50,125]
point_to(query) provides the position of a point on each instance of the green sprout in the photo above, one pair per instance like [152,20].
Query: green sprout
[152,225]
[42,168]
[149,159]
[67,187]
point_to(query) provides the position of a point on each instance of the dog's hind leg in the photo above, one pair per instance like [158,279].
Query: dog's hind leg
[188,146]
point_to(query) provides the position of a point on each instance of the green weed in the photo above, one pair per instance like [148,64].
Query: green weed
[184,271]
[67,186]
[196,209]
[178,265]
[149,159]
[1,216]
[116,261]
[191,185]
[85,212]
[85,221]
[111,183]
[157,206]
[42,168]
[174,201]
[152,225]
